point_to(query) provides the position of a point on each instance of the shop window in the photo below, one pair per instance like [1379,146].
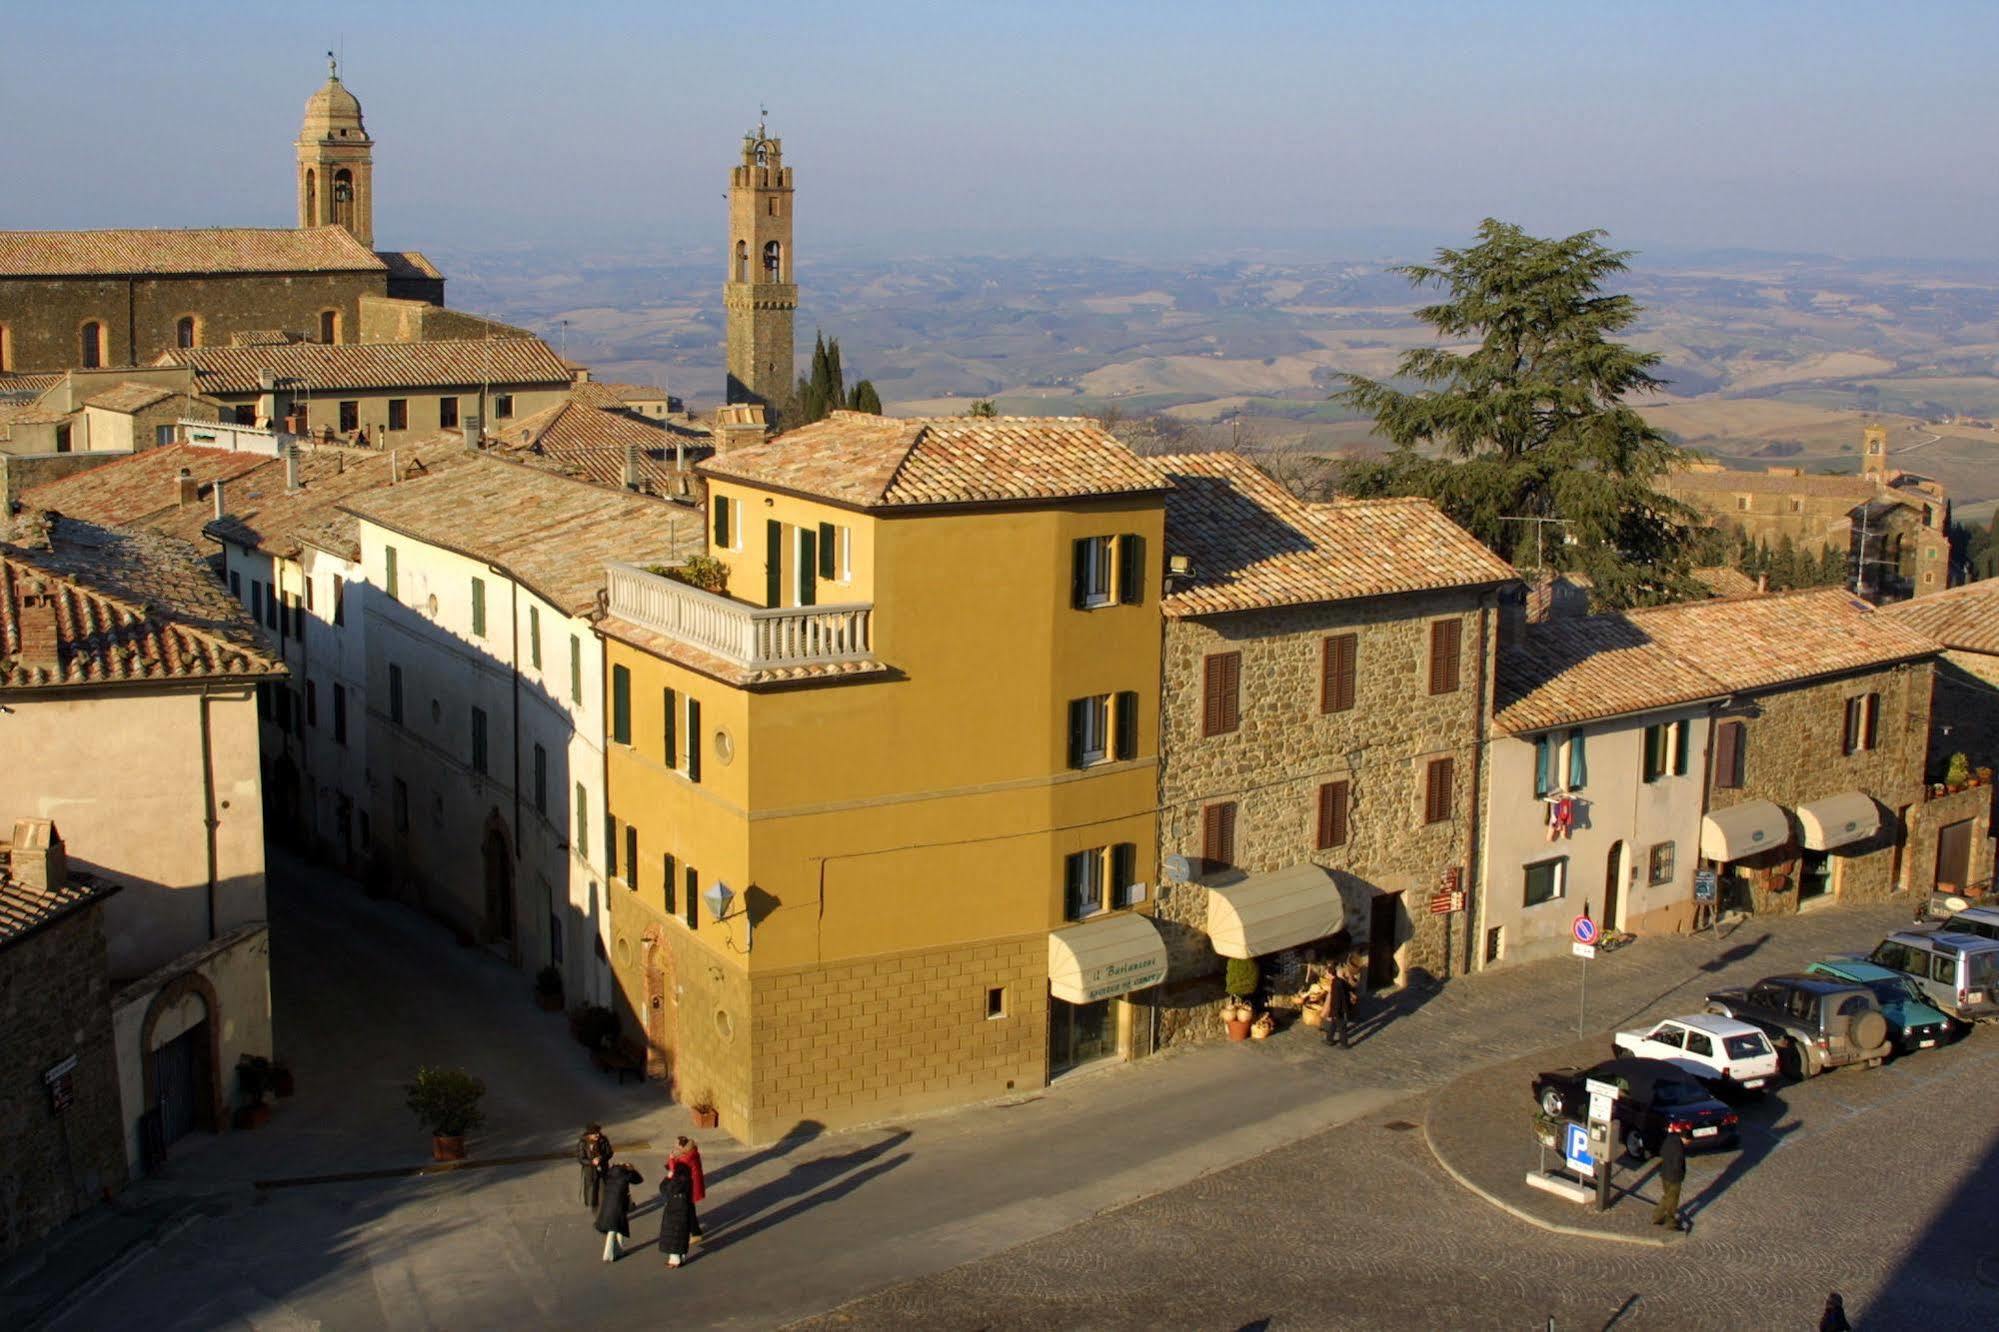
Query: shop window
[1546,881]
[1446,645]
[399,413]
[1333,814]
[1661,869]
[1218,837]
[1339,655]
[1221,693]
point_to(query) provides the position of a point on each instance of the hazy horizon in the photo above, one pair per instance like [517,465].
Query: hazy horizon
[942,129]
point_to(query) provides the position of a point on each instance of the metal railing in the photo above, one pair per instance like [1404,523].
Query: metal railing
[747,635]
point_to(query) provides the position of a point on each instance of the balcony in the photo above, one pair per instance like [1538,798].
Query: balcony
[750,636]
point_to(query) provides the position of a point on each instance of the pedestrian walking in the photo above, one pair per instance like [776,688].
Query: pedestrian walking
[1834,1317]
[1339,1008]
[1672,1174]
[614,1209]
[593,1158]
[687,1154]
[676,1211]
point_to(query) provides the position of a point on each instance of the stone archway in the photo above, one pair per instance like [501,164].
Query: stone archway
[210,1105]
[662,1010]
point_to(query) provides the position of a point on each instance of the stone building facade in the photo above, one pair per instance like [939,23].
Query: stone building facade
[1276,586]
[61,1140]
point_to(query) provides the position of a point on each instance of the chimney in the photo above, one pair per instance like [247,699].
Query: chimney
[39,862]
[1512,615]
[395,468]
[186,489]
[738,424]
[291,468]
[221,507]
[1763,582]
[36,623]
[631,467]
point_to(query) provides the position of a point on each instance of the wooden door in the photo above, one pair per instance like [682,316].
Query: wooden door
[1382,917]
[1954,856]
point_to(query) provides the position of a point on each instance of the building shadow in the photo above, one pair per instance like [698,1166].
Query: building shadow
[1734,953]
[742,1214]
[1376,1013]
[1763,1129]
[804,1131]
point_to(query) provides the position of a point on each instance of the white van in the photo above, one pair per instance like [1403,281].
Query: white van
[1958,973]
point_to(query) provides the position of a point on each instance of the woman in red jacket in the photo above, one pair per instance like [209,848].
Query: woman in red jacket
[688,1156]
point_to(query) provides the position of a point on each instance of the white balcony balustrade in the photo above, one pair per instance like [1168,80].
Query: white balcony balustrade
[749,636]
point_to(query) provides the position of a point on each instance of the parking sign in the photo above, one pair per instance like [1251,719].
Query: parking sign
[1575,1149]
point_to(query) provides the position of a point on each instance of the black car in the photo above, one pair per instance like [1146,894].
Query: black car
[1654,1099]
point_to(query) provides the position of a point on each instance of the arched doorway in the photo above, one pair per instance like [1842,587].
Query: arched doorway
[1613,884]
[498,864]
[180,1064]
[661,1009]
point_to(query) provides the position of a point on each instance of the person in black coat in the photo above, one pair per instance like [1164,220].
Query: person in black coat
[1672,1174]
[676,1212]
[593,1158]
[1339,1005]
[1834,1317]
[614,1209]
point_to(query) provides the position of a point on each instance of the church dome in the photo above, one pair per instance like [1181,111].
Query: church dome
[331,110]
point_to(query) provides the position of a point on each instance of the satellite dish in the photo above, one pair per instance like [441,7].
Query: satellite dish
[1177,869]
[716,897]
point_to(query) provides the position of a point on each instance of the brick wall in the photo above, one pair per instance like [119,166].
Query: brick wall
[1793,740]
[44,314]
[52,986]
[1285,748]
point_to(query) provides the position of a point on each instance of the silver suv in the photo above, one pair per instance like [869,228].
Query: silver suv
[1817,1023]
[1959,973]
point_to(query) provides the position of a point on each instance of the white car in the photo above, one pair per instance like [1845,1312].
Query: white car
[1710,1048]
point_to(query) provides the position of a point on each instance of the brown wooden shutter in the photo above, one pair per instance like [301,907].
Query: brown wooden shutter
[1336,684]
[1332,815]
[1870,720]
[1220,704]
[1126,725]
[1849,739]
[1727,746]
[1078,718]
[1437,790]
[1218,836]
[1445,640]
[1131,569]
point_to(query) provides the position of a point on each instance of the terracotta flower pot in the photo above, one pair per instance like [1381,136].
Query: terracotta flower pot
[447,1147]
[1238,1028]
[706,1118]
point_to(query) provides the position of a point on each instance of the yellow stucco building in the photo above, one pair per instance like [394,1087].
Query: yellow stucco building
[884,813]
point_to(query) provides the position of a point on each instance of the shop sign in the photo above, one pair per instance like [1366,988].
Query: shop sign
[1115,978]
[1704,884]
[62,1087]
[1444,903]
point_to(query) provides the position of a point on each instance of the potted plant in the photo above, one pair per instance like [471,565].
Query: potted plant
[1983,775]
[446,1100]
[253,1078]
[1240,982]
[702,1107]
[1957,772]
[548,989]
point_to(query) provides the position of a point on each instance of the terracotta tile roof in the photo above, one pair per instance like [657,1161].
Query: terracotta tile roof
[20,385]
[327,367]
[1254,544]
[24,909]
[883,462]
[1724,580]
[1856,488]
[184,250]
[1587,667]
[728,672]
[583,439]
[142,490]
[552,533]
[634,392]
[128,607]
[264,337]
[130,397]
[1782,638]
[1965,617]
[407,264]
[263,514]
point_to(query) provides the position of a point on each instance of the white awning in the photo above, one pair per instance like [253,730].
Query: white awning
[1102,958]
[1744,830]
[1267,912]
[1851,816]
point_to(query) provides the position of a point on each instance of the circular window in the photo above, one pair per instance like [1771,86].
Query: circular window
[725,1025]
[725,746]
[430,606]
[624,951]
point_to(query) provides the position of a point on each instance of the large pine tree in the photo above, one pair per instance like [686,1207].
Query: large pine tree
[1534,419]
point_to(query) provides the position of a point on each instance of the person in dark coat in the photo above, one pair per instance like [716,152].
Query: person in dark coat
[1834,1317]
[614,1209]
[687,1154]
[593,1158]
[676,1211]
[1339,1007]
[1672,1174]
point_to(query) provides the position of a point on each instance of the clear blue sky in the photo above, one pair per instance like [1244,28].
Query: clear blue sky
[943,127]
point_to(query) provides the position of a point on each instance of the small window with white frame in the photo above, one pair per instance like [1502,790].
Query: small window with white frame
[1546,881]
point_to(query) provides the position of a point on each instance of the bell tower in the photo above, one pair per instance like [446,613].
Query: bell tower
[336,162]
[1874,453]
[760,296]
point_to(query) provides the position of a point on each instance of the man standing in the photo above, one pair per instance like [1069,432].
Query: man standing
[593,1156]
[1339,1007]
[1672,1174]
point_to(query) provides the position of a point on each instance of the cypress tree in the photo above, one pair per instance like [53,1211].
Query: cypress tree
[866,399]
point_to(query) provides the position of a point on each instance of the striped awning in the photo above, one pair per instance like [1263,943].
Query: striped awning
[1851,816]
[1267,912]
[1101,958]
[1747,829]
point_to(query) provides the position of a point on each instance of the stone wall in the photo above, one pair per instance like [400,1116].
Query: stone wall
[1933,813]
[54,1003]
[1273,765]
[1793,741]
[383,319]
[44,316]
[1964,711]
[18,471]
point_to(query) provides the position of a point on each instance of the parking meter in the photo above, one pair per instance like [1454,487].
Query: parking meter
[1602,1147]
